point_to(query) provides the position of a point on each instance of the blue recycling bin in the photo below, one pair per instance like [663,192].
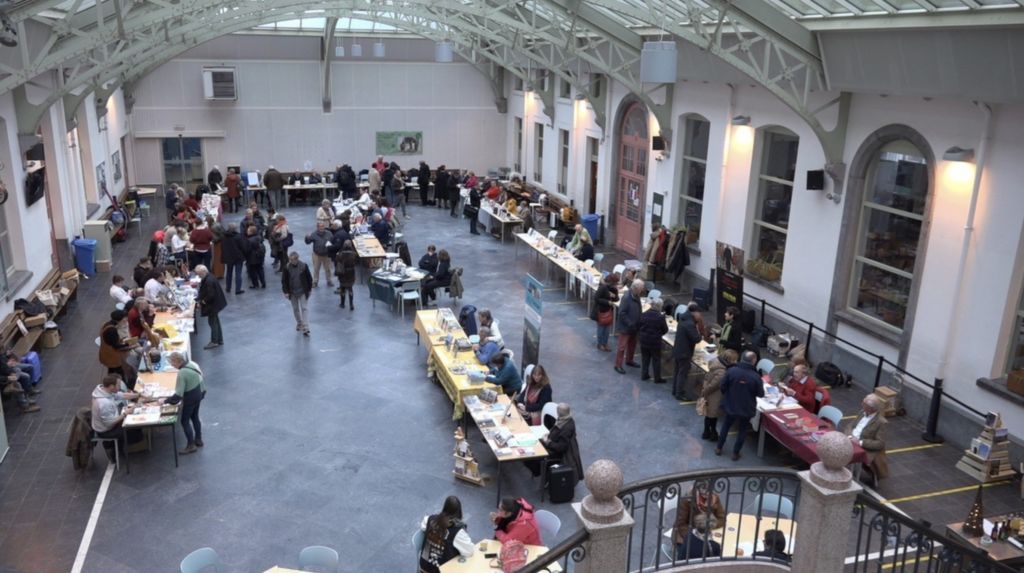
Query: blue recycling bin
[85,255]
[591,222]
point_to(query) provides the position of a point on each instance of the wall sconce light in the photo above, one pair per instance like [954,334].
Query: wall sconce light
[378,50]
[444,52]
[339,51]
[357,50]
[741,120]
[959,154]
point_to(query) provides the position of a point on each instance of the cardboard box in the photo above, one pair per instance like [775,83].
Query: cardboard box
[50,338]
[1015,382]
[34,321]
[103,266]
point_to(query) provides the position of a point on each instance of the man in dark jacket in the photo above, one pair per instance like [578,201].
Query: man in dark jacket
[297,282]
[214,178]
[232,254]
[381,230]
[211,302]
[626,326]
[686,339]
[651,328]
[255,252]
[441,186]
[274,182]
[741,387]
[423,180]
[339,234]
[321,253]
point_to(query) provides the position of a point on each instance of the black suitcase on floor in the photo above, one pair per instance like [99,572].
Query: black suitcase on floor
[561,487]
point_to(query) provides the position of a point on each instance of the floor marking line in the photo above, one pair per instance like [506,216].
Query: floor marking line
[688,403]
[946,492]
[912,448]
[97,507]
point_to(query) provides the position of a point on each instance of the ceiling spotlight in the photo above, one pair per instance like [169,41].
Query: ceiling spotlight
[741,120]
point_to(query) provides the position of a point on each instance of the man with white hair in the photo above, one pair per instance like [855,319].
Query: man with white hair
[211,301]
[190,389]
[627,325]
[868,432]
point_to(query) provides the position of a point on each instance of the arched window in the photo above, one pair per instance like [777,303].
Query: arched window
[775,177]
[694,165]
[892,215]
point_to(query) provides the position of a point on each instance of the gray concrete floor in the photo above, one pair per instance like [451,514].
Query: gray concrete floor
[340,439]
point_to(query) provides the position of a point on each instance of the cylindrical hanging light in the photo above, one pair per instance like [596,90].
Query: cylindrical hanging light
[357,50]
[443,52]
[378,50]
[659,63]
[339,51]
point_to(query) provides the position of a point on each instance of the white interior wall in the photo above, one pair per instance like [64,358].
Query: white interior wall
[278,119]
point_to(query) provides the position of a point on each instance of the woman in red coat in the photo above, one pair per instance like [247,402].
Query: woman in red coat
[514,520]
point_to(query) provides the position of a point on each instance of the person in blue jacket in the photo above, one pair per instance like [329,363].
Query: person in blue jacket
[741,387]
[487,348]
[505,374]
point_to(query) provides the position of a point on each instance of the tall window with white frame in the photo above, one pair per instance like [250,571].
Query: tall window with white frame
[774,196]
[1015,361]
[518,166]
[892,215]
[6,255]
[563,161]
[691,189]
[538,160]
[564,87]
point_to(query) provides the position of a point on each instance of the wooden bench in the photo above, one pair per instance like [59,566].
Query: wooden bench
[11,336]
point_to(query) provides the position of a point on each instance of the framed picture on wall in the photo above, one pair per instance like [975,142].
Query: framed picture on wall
[101,176]
[399,142]
[115,164]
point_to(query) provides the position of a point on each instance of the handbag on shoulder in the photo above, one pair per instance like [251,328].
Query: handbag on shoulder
[702,407]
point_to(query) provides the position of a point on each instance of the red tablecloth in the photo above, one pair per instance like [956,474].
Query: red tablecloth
[801,444]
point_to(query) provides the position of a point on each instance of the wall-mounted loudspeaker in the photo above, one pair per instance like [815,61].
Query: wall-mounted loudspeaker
[658,143]
[816,179]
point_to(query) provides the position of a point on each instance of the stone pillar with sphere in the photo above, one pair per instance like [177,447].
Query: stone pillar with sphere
[826,506]
[604,517]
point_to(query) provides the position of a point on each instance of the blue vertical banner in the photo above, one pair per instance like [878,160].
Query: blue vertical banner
[532,320]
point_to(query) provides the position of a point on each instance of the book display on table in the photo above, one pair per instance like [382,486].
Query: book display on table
[466,466]
[988,458]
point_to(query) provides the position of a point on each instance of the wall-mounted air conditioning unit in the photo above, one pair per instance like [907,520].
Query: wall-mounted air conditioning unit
[219,84]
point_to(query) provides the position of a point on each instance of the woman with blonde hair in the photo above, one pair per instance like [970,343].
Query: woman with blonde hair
[711,393]
[537,393]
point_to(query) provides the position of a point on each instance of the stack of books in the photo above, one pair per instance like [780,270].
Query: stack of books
[988,458]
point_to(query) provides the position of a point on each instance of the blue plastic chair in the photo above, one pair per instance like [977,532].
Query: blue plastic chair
[319,557]
[201,561]
[770,505]
[417,545]
[832,414]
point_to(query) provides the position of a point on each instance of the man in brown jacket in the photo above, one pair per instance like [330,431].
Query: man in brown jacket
[274,182]
[869,433]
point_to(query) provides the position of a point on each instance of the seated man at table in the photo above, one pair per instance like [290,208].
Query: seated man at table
[774,543]
[381,230]
[869,433]
[698,543]
[802,387]
[586,250]
[493,192]
[486,348]
[699,501]
[440,279]
[428,262]
[505,374]
[108,400]
[118,291]
[576,243]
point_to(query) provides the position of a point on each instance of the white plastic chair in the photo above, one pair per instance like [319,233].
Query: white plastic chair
[527,371]
[549,525]
[589,262]
[598,258]
[201,561]
[770,505]
[832,414]
[619,268]
[552,235]
[320,557]
[654,294]
[417,545]
[549,410]
[409,290]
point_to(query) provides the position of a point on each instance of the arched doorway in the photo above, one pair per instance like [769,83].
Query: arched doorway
[631,180]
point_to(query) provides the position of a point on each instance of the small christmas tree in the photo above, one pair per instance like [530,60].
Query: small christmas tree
[972,525]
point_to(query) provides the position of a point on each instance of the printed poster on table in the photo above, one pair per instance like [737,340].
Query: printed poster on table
[399,142]
[532,320]
[729,286]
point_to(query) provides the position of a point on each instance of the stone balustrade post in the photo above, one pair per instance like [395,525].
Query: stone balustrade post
[825,512]
[601,513]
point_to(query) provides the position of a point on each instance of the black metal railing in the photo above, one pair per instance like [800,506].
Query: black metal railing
[752,502]
[566,554]
[885,540]
[883,366]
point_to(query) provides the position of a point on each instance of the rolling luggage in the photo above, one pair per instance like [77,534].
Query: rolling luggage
[561,483]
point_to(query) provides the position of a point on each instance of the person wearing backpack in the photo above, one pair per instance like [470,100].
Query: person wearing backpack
[444,537]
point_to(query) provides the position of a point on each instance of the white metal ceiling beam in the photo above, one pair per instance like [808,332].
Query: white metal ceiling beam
[326,49]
